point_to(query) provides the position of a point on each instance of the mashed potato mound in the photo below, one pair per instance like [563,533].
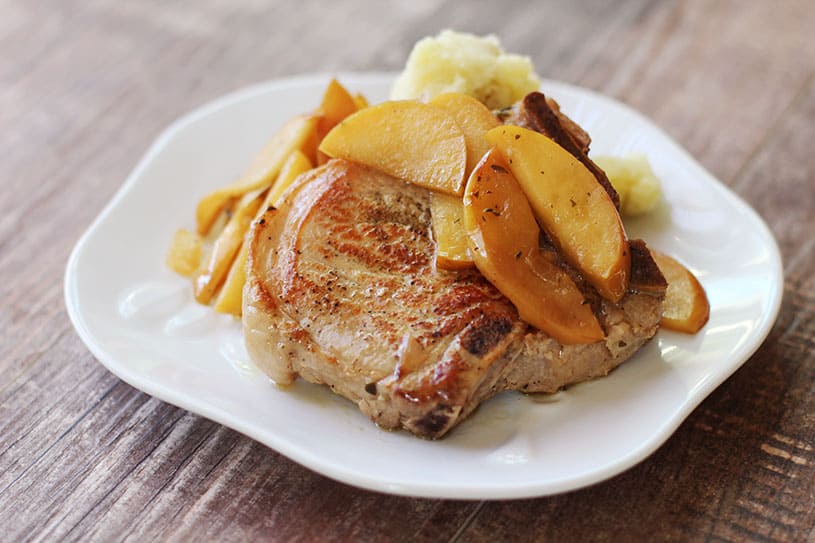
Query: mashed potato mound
[458,62]
[634,180]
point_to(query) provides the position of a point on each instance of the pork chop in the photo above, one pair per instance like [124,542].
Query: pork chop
[342,290]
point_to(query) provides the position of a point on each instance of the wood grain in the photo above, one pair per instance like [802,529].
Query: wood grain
[85,86]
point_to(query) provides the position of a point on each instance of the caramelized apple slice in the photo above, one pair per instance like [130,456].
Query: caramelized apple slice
[416,142]
[262,172]
[185,252]
[686,307]
[226,247]
[570,205]
[361,101]
[337,104]
[231,294]
[504,244]
[230,298]
[452,245]
[473,118]
[296,164]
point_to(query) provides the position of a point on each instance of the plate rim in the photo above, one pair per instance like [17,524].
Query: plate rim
[354,477]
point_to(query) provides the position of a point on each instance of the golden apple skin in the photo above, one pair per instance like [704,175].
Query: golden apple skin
[570,205]
[504,244]
[416,142]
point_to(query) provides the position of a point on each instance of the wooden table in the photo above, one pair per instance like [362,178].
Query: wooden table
[85,86]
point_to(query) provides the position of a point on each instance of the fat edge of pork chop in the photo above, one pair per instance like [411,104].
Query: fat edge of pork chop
[342,290]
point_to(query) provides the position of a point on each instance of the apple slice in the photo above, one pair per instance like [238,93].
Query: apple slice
[686,307]
[570,205]
[261,173]
[185,252]
[337,104]
[504,243]
[452,244]
[473,118]
[231,294]
[415,142]
[296,164]
[230,297]
[225,248]
[361,101]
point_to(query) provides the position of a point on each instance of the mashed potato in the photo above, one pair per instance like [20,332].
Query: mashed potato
[457,62]
[478,66]
[634,180]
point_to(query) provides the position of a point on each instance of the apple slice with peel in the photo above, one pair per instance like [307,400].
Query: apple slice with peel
[416,142]
[686,307]
[504,243]
[570,205]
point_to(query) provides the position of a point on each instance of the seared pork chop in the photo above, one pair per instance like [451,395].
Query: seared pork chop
[342,290]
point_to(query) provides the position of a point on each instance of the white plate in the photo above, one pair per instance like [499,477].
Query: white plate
[140,320]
